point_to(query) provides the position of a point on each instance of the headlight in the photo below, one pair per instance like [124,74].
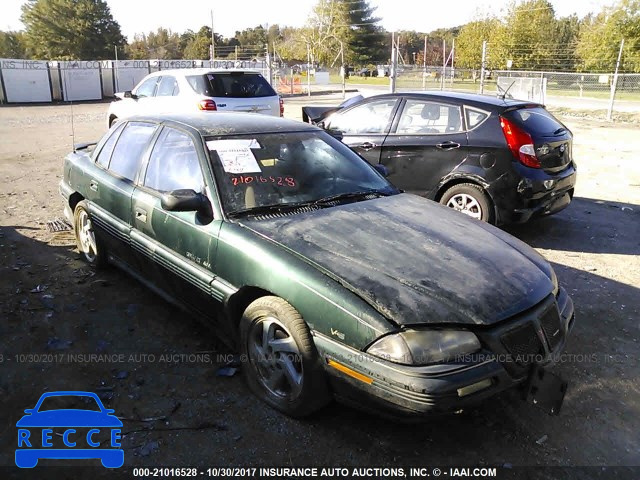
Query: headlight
[424,347]
[554,280]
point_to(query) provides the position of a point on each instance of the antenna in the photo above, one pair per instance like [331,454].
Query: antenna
[504,92]
[66,89]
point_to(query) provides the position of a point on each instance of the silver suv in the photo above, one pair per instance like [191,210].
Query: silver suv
[190,90]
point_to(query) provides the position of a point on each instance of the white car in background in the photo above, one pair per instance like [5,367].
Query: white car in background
[190,90]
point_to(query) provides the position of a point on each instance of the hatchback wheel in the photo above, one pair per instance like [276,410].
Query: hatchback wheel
[469,199]
[282,366]
[88,243]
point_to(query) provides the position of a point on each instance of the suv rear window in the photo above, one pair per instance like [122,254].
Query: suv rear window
[231,85]
[535,120]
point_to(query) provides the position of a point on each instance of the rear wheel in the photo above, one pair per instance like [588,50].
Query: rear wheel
[88,243]
[469,199]
[283,367]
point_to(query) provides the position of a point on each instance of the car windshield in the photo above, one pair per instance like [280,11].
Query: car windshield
[286,170]
[67,402]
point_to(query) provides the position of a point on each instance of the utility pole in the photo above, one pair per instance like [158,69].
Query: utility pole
[453,54]
[395,42]
[213,40]
[444,63]
[424,61]
[614,85]
[482,65]
[115,77]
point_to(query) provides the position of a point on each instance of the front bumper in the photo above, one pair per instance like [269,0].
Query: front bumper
[413,391]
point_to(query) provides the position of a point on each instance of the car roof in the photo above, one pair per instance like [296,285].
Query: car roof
[229,123]
[469,98]
[202,71]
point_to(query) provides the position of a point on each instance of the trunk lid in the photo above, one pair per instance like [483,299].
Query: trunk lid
[552,140]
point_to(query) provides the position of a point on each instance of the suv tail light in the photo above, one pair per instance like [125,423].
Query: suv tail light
[281,106]
[207,104]
[520,143]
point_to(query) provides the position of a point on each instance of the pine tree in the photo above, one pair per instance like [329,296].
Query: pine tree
[365,38]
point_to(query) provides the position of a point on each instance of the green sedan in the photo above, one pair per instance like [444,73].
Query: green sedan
[329,281]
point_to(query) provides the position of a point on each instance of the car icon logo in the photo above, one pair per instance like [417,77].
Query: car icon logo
[89,432]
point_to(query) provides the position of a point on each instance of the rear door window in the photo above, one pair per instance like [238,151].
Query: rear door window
[234,85]
[167,87]
[107,149]
[147,88]
[420,117]
[132,143]
[536,121]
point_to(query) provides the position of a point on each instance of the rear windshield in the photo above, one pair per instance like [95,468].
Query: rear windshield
[536,121]
[231,85]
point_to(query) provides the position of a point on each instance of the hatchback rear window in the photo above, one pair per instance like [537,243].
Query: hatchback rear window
[231,85]
[536,120]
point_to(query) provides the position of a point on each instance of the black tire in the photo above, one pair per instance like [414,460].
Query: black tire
[93,250]
[470,199]
[271,372]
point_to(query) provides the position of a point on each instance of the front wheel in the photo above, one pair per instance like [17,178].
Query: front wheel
[88,243]
[469,199]
[283,367]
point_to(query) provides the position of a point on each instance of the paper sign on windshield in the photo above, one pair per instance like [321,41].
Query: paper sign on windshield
[238,160]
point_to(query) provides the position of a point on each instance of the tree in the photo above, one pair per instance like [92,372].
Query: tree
[198,45]
[325,33]
[469,43]
[162,44]
[600,38]
[12,45]
[529,37]
[568,34]
[365,38]
[70,29]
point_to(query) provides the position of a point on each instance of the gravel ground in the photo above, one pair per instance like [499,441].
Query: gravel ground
[179,411]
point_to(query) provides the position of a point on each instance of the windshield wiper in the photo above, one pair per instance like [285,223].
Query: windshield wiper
[258,210]
[268,208]
[349,195]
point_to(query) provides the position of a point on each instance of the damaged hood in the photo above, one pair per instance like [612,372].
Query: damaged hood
[415,261]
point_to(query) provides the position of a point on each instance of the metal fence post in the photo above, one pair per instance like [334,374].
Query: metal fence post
[615,83]
[482,65]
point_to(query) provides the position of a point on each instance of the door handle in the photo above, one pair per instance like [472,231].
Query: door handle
[448,145]
[93,185]
[366,146]
[141,215]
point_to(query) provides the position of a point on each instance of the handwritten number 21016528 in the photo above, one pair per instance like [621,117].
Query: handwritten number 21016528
[247,179]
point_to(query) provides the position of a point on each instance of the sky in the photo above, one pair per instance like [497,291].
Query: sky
[138,16]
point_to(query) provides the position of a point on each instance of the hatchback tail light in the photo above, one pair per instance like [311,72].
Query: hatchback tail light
[520,143]
[281,107]
[207,104]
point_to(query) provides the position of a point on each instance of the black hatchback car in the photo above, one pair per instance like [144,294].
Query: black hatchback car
[497,160]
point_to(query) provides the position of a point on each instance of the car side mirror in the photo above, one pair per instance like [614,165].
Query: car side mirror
[322,125]
[109,411]
[382,170]
[183,201]
[29,411]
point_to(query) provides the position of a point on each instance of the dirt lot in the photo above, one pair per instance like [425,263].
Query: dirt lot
[51,303]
